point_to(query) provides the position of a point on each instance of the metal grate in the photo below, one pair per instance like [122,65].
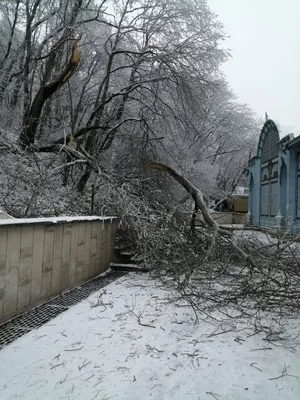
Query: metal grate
[33,319]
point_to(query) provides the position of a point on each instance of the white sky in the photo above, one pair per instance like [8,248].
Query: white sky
[264,70]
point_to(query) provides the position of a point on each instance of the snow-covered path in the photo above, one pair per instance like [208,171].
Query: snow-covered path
[132,343]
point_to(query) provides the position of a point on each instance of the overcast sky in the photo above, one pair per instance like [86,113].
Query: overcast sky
[264,70]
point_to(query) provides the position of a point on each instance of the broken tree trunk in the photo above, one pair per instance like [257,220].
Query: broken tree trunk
[200,205]
[32,117]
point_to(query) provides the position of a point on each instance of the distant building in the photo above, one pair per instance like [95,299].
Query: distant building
[240,190]
[274,199]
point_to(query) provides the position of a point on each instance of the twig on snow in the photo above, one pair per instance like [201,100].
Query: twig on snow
[63,380]
[139,320]
[213,395]
[87,379]
[57,365]
[84,364]
[150,348]
[79,348]
[284,373]
[219,333]
[252,365]
[263,348]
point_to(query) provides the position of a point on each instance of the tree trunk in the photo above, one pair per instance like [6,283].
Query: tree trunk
[31,119]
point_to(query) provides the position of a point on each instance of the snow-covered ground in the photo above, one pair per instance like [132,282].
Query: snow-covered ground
[128,341]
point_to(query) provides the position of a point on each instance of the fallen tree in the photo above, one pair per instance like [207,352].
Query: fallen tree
[228,276]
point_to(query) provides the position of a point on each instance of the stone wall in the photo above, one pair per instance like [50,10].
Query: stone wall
[40,258]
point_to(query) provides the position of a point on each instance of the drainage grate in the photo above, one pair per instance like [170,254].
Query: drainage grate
[33,319]
[71,298]
[9,334]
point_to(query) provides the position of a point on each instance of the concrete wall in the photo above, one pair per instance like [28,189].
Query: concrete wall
[239,218]
[226,218]
[40,258]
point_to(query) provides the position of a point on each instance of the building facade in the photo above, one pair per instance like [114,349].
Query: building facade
[274,173]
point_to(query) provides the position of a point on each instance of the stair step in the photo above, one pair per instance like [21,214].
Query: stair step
[122,248]
[127,267]
[127,253]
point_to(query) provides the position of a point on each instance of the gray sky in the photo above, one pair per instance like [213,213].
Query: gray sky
[264,70]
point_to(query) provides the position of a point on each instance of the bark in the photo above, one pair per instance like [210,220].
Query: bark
[31,119]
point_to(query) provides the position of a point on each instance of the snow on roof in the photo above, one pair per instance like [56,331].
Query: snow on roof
[52,220]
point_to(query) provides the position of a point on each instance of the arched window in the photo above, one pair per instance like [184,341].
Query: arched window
[265,175]
[274,173]
[268,152]
[268,142]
